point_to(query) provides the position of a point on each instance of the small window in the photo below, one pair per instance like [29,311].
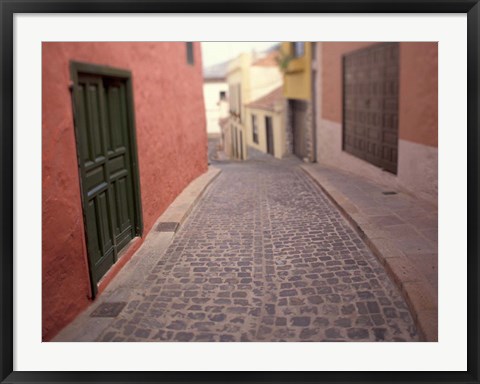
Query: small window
[190,53]
[255,129]
[223,95]
[298,48]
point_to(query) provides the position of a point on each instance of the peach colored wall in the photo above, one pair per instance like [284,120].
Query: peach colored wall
[332,77]
[418,109]
[172,151]
[418,99]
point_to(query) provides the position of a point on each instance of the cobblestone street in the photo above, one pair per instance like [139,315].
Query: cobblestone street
[265,256]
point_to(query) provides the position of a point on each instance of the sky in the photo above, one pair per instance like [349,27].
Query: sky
[216,52]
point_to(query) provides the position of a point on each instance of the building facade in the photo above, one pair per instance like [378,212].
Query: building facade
[376,112]
[250,76]
[265,124]
[298,73]
[215,94]
[123,133]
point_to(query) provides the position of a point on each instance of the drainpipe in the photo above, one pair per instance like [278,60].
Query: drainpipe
[313,69]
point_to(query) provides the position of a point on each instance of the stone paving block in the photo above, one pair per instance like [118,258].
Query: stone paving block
[385,220]
[420,296]
[429,321]
[403,270]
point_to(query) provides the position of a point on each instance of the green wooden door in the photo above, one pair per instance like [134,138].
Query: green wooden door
[107,162]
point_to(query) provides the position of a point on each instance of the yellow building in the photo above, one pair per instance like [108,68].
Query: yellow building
[249,76]
[296,61]
[265,122]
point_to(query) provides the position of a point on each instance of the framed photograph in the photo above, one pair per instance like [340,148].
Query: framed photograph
[242,191]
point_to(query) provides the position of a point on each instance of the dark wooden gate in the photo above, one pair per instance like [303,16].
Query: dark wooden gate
[106,150]
[370,106]
[269,134]
[299,126]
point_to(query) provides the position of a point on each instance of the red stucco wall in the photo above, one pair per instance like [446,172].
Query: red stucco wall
[172,151]
[418,99]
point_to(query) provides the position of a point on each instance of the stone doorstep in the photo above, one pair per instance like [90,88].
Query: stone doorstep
[421,301]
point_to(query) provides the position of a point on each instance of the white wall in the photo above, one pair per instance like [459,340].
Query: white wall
[214,109]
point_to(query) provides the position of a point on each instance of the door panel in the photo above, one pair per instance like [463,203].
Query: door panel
[104,147]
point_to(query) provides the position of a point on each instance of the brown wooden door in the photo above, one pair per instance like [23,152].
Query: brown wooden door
[370,114]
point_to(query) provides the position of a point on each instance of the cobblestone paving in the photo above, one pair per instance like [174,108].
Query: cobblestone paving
[265,257]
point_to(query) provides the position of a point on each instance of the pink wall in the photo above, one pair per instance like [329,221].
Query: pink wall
[418,99]
[418,108]
[172,151]
[331,72]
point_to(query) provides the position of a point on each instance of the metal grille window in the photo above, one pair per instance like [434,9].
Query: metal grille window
[255,129]
[370,105]
[190,53]
[298,48]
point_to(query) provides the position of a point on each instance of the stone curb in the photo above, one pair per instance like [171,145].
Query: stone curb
[421,302]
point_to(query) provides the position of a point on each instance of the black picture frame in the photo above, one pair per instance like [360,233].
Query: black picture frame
[9,8]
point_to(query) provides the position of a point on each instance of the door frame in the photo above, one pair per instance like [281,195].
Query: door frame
[125,75]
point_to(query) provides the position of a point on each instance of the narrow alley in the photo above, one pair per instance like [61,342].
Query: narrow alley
[264,256]
[284,191]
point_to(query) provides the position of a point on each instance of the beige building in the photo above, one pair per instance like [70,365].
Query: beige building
[265,124]
[250,76]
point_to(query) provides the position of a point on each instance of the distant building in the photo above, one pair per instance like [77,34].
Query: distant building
[123,133]
[215,94]
[250,76]
[297,59]
[265,121]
